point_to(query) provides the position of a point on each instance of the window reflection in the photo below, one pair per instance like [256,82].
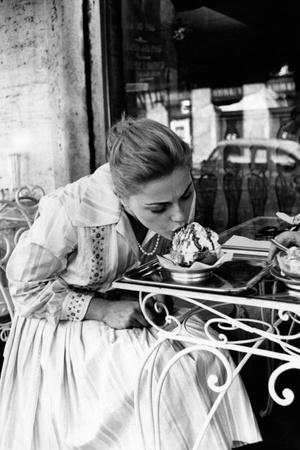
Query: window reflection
[217,79]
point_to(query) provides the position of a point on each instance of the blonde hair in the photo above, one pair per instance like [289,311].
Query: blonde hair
[142,150]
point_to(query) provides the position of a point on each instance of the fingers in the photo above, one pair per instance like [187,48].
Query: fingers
[138,320]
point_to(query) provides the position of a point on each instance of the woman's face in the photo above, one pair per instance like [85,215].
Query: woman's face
[164,205]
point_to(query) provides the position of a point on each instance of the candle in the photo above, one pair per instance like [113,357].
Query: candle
[14,162]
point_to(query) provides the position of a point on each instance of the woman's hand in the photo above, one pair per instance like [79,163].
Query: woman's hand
[124,311]
[288,239]
[117,314]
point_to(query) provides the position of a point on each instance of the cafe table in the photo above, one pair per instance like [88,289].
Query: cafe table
[270,329]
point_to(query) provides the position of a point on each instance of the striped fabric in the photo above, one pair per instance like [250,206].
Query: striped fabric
[68,384]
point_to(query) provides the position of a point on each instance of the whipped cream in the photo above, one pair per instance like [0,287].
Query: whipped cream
[193,243]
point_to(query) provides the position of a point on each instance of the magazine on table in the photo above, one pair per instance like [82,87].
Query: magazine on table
[245,246]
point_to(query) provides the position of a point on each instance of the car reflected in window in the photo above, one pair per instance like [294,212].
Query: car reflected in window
[254,177]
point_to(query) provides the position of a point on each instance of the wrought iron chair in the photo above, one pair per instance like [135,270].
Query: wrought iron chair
[258,192]
[206,191]
[232,187]
[286,193]
[297,183]
[6,305]
[16,216]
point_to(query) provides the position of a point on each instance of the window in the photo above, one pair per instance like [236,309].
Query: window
[213,72]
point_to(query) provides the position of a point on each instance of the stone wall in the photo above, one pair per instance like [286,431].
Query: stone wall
[43,112]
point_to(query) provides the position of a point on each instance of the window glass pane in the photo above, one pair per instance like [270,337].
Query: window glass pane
[235,154]
[226,80]
[259,155]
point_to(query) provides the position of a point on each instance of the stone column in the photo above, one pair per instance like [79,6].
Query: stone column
[43,112]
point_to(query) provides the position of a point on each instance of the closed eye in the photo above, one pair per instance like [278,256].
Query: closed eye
[163,207]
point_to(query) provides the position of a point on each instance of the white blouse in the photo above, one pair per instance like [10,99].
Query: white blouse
[80,243]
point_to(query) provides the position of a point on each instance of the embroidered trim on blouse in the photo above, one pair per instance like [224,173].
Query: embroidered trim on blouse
[97,235]
[76,306]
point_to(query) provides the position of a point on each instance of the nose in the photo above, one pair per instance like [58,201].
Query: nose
[178,214]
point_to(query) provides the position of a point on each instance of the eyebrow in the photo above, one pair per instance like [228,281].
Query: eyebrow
[163,203]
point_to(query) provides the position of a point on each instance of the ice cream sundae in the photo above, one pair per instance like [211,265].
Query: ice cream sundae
[195,243]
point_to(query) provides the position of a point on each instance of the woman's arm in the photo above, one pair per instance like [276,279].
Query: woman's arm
[120,313]
[123,311]
[37,289]
[34,268]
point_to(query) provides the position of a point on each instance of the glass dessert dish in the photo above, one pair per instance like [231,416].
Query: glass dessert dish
[194,255]
[289,262]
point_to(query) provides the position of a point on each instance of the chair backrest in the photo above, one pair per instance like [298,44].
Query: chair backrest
[6,304]
[258,192]
[6,247]
[286,193]
[5,298]
[232,187]
[16,216]
[297,183]
[206,191]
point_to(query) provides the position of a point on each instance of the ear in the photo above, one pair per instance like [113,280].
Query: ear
[125,204]
[127,208]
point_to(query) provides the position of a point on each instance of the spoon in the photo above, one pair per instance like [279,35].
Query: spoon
[167,259]
[279,246]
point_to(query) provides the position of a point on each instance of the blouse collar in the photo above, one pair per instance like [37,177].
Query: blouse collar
[99,205]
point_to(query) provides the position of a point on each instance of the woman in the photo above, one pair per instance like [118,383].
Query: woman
[76,346]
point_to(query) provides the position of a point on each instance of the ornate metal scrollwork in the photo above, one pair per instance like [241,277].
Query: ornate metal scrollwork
[6,247]
[16,216]
[155,388]
[287,394]
[275,338]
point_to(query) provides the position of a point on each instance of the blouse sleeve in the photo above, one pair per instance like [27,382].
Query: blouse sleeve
[38,260]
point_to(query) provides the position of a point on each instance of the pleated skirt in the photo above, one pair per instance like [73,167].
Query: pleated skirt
[71,386]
